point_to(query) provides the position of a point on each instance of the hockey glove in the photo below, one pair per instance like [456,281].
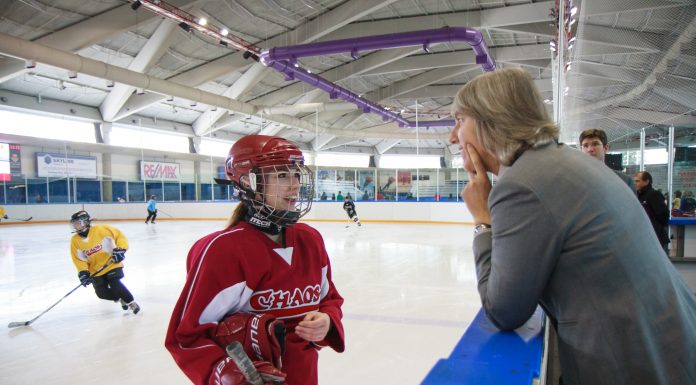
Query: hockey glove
[226,372]
[85,278]
[118,255]
[261,335]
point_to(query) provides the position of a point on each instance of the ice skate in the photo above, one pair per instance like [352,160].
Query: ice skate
[134,307]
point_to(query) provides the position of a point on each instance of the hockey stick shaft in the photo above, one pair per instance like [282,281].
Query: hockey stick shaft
[21,219]
[27,323]
[164,212]
[236,352]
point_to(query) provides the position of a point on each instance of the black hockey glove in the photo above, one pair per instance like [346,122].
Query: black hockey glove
[85,278]
[118,255]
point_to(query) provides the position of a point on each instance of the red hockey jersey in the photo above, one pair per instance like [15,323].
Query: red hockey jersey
[240,269]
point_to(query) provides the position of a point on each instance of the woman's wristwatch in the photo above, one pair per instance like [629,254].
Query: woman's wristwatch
[481,227]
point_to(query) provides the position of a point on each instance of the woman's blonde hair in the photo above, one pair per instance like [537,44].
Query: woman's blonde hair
[510,114]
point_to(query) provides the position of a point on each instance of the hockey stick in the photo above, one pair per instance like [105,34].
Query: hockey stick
[27,323]
[164,212]
[236,352]
[21,219]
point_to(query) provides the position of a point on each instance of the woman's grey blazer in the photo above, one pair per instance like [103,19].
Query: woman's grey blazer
[572,237]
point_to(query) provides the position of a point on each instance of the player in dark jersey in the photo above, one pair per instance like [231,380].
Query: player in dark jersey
[349,208]
[262,270]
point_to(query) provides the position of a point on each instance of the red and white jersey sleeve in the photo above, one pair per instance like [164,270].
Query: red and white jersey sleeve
[241,270]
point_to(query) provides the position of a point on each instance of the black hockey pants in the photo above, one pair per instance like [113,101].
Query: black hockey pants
[109,286]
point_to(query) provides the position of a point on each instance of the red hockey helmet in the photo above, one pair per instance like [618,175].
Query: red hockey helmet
[255,151]
[249,163]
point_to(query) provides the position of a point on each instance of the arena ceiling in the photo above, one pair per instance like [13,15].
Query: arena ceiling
[633,67]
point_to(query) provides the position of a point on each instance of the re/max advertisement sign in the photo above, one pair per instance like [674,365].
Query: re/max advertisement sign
[170,172]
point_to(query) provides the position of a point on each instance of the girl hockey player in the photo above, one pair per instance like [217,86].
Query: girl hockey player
[263,270]
[91,248]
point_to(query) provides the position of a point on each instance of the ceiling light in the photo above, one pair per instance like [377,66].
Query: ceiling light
[224,32]
[109,83]
[202,21]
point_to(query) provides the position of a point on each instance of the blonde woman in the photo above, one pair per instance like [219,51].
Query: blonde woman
[559,232]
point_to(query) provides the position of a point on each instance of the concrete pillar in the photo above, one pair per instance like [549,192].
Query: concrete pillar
[106,178]
[106,128]
[197,178]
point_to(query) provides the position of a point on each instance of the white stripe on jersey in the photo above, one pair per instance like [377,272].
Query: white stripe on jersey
[198,269]
[227,301]
[324,283]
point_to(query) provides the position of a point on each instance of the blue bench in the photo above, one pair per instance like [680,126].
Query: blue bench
[682,234]
[487,356]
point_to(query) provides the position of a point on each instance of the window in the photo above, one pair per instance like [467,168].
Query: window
[48,127]
[342,160]
[138,138]
[214,147]
[409,161]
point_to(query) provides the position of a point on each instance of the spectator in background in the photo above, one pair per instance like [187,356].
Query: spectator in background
[323,196]
[654,204]
[333,196]
[688,203]
[676,202]
[339,196]
[368,183]
[593,142]
[559,232]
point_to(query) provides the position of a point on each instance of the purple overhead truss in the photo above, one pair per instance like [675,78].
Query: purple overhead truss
[284,59]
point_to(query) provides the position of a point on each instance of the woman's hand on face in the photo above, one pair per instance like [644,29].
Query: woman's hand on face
[314,327]
[475,194]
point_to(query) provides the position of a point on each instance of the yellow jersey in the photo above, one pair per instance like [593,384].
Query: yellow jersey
[2,212]
[93,252]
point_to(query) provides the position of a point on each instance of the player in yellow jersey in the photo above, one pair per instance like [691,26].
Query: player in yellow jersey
[91,248]
[2,214]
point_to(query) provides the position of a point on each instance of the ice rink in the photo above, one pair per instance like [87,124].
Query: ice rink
[409,289]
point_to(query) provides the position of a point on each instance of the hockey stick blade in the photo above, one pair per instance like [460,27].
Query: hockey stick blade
[18,324]
[236,352]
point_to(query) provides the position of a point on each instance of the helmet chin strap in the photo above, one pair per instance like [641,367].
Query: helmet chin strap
[83,233]
[257,219]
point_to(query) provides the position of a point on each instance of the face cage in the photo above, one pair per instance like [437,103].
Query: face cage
[300,181]
[82,222]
